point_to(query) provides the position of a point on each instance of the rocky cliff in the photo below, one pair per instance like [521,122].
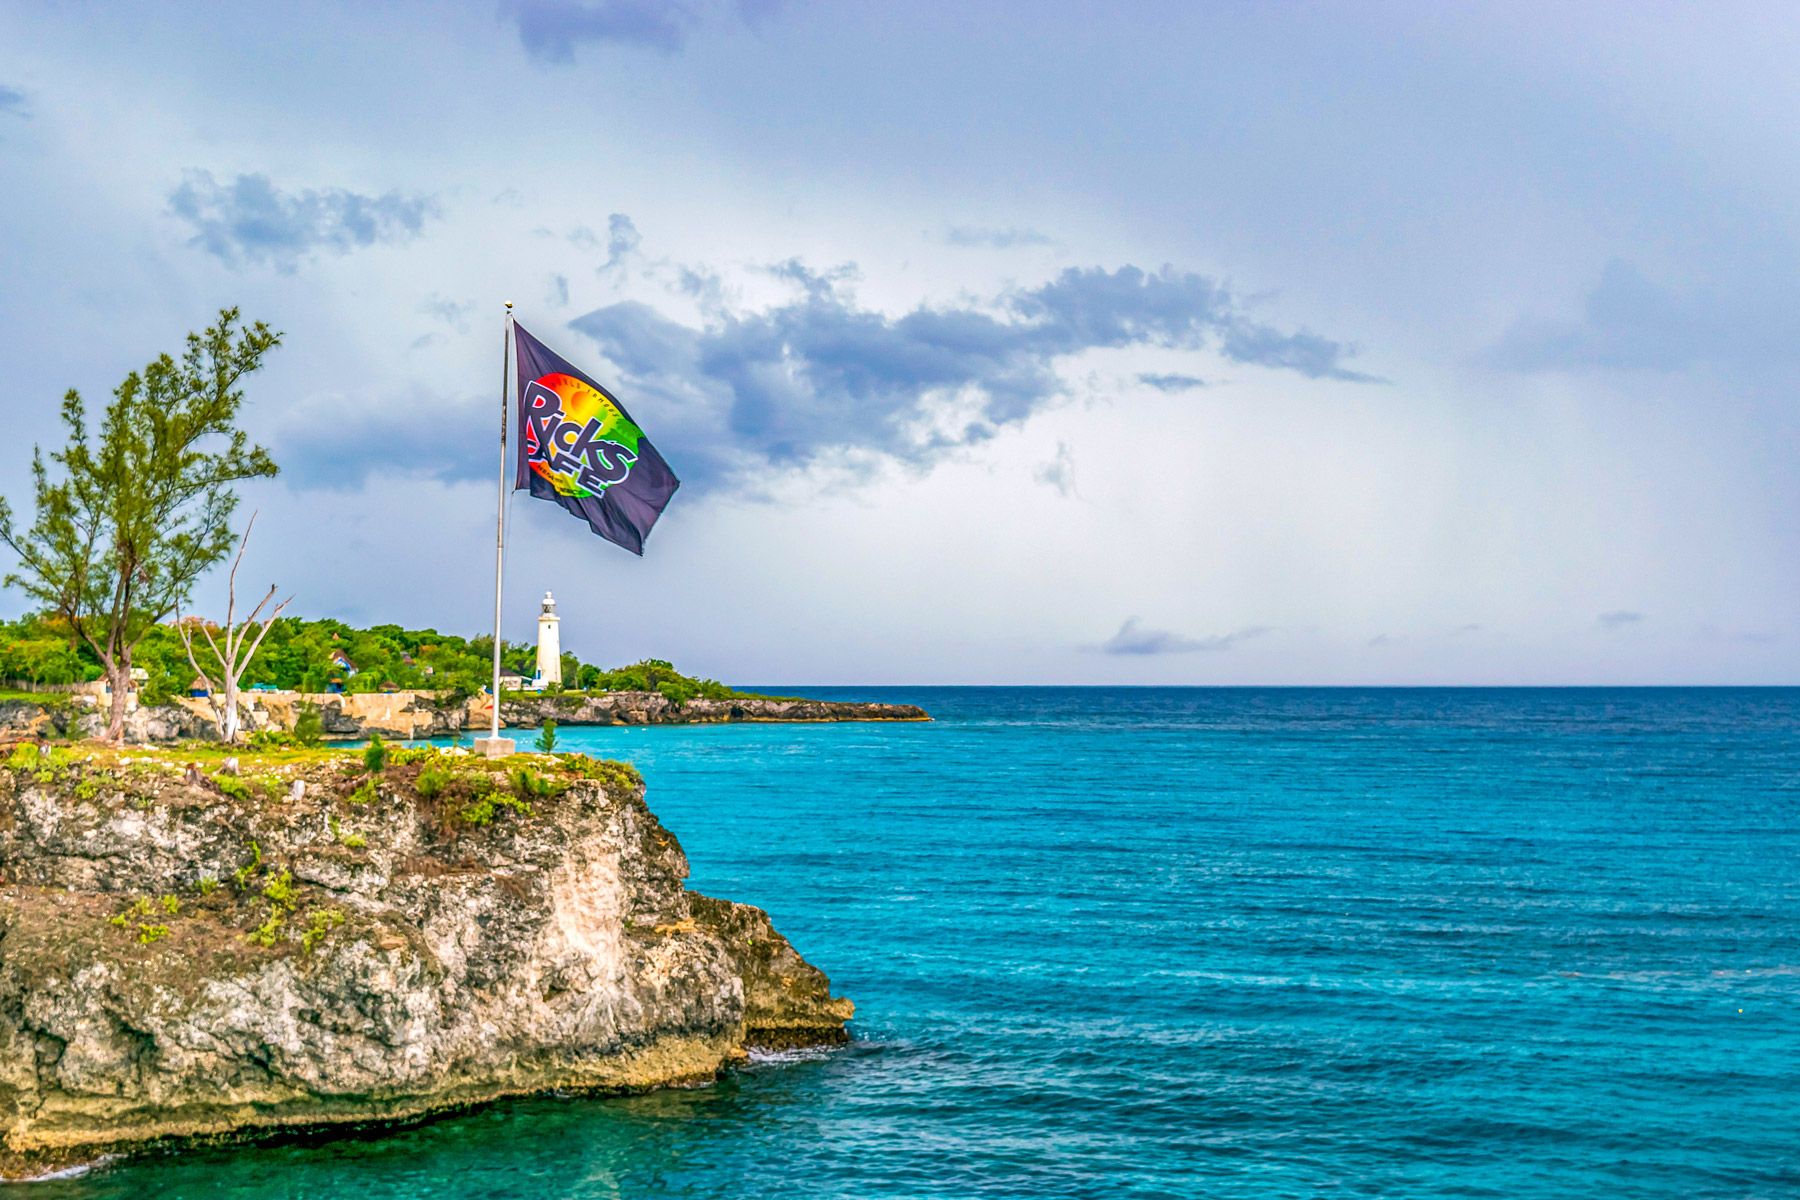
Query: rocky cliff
[652,708]
[187,954]
[426,714]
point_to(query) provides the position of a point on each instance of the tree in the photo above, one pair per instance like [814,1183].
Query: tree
[234,656]
[144,511]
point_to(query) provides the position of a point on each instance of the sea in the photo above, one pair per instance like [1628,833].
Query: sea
[1172,942]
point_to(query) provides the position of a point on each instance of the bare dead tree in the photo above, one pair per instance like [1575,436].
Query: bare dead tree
[234,656]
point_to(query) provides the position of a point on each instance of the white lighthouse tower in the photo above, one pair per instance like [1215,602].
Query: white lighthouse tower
[549,656]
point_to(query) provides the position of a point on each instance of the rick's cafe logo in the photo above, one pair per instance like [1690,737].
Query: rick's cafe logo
[576,437]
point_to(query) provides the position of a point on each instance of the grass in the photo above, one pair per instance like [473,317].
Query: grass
[51,701]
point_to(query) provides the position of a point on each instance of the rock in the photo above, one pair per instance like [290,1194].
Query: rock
[182,962]
[410,715]
[652,708]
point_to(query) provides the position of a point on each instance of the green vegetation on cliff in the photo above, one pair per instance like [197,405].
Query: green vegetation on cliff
[321,655]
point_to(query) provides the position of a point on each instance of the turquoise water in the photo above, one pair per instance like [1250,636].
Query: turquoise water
[1223,943]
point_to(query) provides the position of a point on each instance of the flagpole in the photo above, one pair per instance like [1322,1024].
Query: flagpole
[493,746]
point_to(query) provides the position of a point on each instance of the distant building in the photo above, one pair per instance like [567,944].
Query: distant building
[549,648]
[342,662]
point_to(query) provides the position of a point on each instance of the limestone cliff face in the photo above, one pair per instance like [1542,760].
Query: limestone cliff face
[189,957]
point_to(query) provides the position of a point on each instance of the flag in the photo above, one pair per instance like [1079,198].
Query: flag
[579,447]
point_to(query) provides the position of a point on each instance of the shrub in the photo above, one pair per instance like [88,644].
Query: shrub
[366,793]
[527,784]
[375,755]
[45,763]
[487,806]
[207,885]
[309,725]
[242,875]
[612,774]
[353,841]
[432,781]
[270,930]
[232,785]
[279,891]
[546,738]
[323,922]
[137,910]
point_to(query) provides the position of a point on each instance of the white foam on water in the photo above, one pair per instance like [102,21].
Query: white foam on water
[799,1054]
[74,1172]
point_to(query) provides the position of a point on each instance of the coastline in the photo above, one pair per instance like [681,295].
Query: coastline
[414,715]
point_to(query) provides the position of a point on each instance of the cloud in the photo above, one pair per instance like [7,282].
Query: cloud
[250,219]
[1172,383]
[820,376]
[13,102]
[552,30]
[1059,472]
[622,241]
[998,239]
[448,311]
[1629,323]
[1134,639]
[337,442]
[1619,619]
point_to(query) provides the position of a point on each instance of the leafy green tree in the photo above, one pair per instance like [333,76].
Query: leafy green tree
[141,512]
[546,738]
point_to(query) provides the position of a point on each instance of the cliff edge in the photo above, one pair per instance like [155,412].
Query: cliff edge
[189,954]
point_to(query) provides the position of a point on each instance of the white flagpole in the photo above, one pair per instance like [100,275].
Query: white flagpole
[494,747]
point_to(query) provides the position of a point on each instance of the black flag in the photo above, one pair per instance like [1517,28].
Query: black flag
[579,447]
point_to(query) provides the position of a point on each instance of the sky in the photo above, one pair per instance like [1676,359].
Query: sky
[1038,343]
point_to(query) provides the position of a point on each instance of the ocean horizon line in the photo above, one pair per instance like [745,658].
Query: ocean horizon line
[769,688]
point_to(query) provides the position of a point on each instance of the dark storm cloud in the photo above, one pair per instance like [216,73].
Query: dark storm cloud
[249,219]
[797,381]
[1134,639]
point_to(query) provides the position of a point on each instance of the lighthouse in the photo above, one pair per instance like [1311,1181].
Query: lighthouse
[549,656]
